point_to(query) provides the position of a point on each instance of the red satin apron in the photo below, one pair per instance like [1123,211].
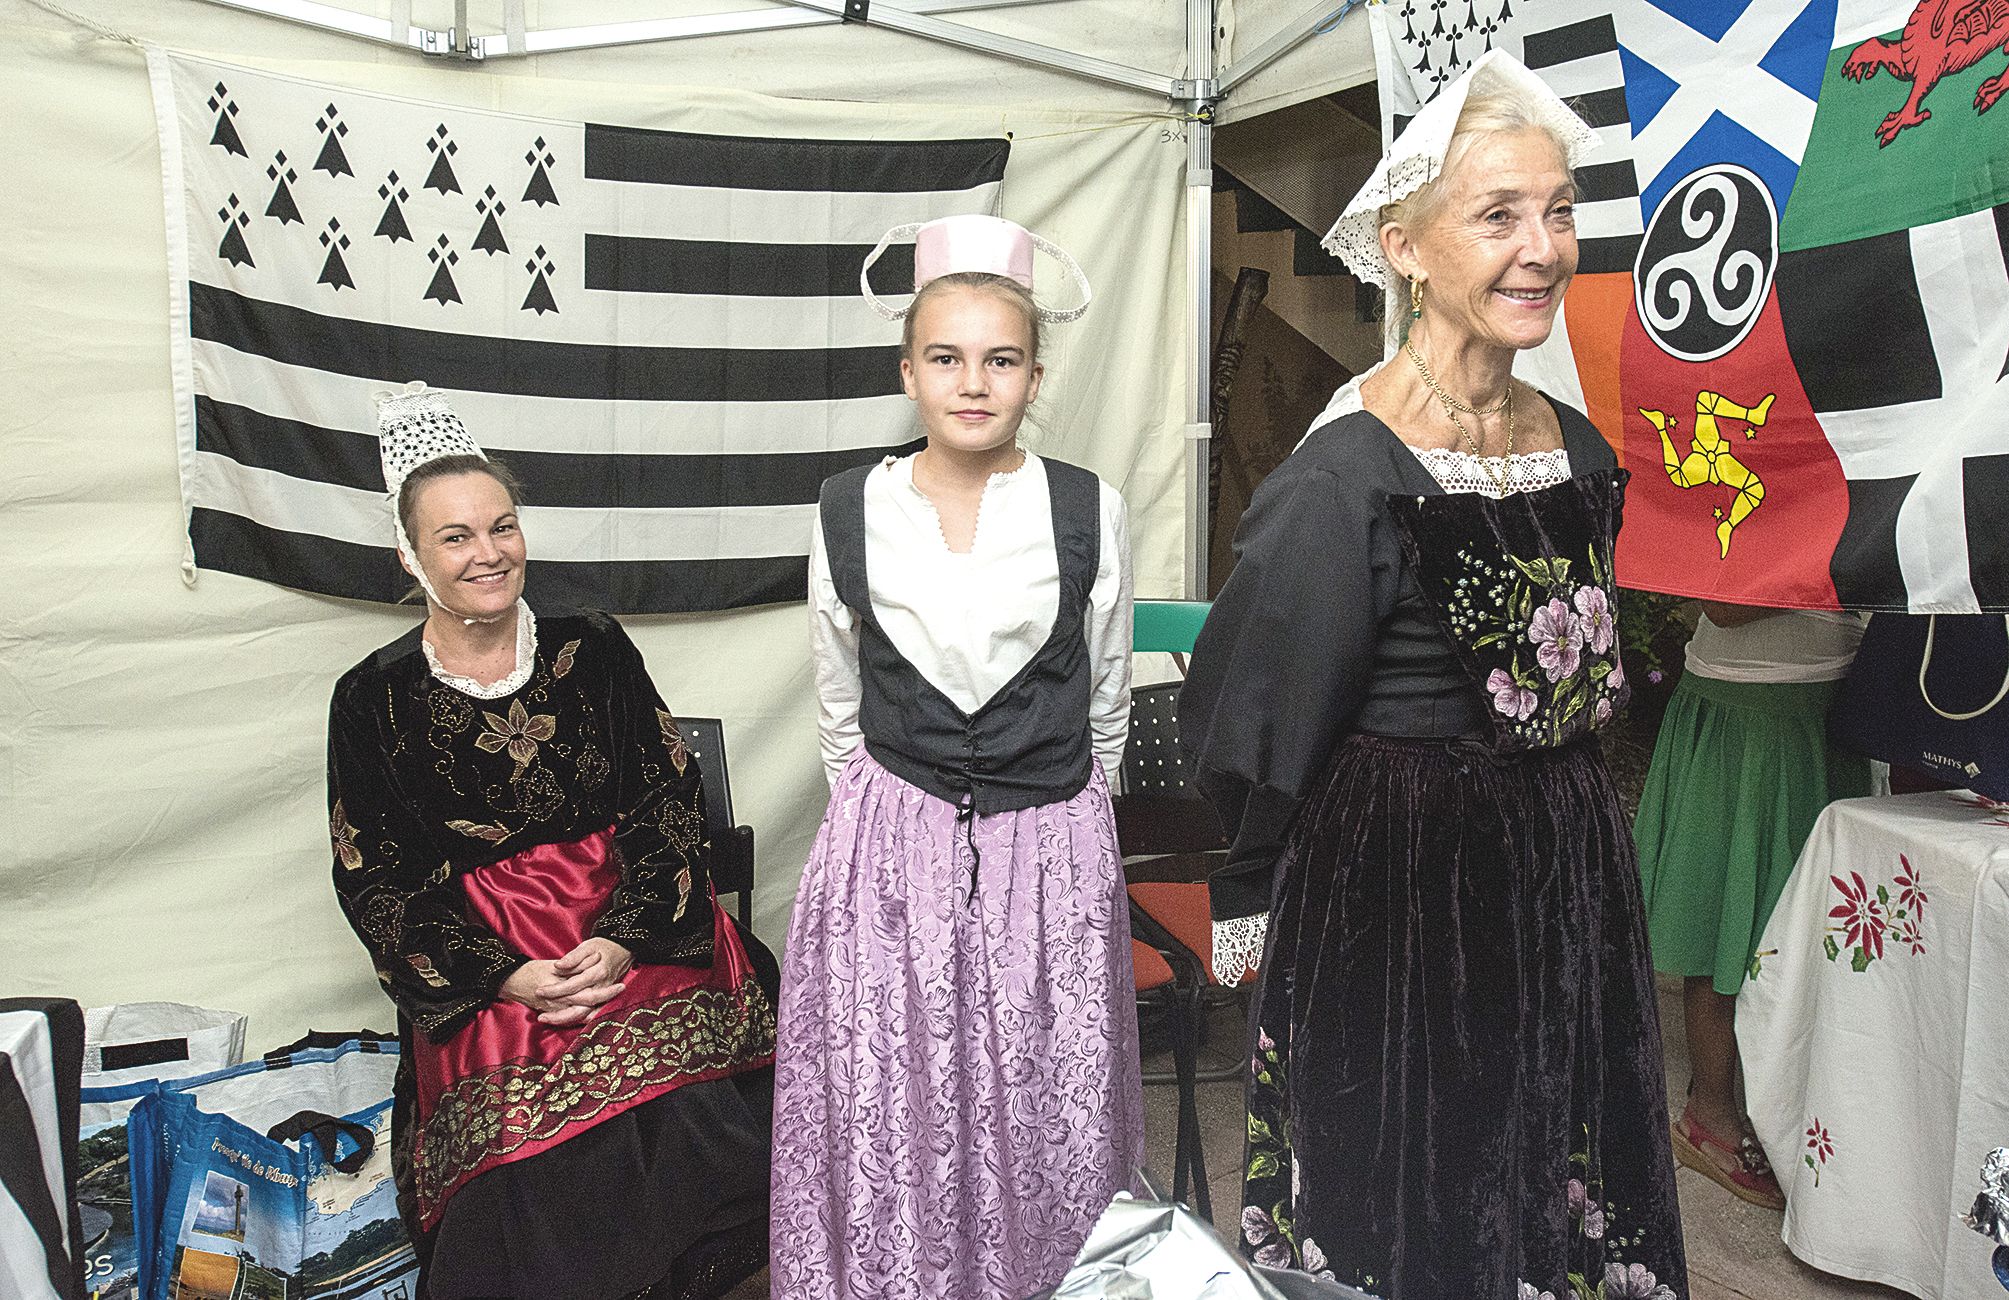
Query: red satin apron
[505,1087]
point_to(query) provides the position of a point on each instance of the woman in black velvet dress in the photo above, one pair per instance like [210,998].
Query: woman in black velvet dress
[1456,1088]
[584,1091]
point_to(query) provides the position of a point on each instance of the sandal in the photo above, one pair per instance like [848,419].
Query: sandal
[1752,1180]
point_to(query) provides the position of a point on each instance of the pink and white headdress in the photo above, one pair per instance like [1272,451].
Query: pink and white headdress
[415,425]
[973,242]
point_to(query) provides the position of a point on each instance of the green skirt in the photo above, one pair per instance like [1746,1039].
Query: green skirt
[1740,772]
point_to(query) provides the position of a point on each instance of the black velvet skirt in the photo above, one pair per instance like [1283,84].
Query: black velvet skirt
[667,1201]
[1456,1089]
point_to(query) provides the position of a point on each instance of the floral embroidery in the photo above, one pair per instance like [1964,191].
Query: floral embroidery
[480,830]
[1528,1292]
[1510,697]
[563,663]
[1595,618]
[593,767]
[485,1118]
[1584,1211]
[1556,633]
[1632,1282]
[1820,1146]
[427,971]
[1995,811]
[344,836]
[1866,918]
[450,710]
[673,740]
[1524,587]
[519,733]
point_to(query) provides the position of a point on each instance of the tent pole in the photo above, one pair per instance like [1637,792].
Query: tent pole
[1199,281]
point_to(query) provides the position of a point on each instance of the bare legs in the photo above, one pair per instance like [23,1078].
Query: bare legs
[1712,1058]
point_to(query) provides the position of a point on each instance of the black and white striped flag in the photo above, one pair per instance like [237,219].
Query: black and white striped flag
[659,331]
[1422,45]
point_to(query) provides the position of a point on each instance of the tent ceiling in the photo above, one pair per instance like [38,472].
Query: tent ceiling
[907,50]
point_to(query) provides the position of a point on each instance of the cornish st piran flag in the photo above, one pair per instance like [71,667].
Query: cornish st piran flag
[1803,359]
[659,331]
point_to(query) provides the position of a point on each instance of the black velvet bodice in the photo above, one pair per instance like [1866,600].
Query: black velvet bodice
[426,783]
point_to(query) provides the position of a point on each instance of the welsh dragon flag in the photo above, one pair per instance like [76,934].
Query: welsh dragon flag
[1803,361]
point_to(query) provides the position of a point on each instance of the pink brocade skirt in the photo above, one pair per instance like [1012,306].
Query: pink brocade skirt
[506,1088]
[957,1093]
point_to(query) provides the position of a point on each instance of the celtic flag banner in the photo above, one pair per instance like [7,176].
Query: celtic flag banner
[1792,312]
[660,331]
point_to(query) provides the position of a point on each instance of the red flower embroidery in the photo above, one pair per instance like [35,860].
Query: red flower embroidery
[1860,913]
[1908,934]
[1820,1146]
[1910,889]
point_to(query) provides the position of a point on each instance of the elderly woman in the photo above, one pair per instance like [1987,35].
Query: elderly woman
[1456,1086]
[583,1098]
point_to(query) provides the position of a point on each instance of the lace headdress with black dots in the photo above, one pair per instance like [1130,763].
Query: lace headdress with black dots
[415,425]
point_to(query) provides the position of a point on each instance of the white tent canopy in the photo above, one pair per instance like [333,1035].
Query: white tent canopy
[161,755]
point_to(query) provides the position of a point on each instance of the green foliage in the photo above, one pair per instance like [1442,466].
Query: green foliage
[1647,620]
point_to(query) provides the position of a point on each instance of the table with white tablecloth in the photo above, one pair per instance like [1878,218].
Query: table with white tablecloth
[1875,1039]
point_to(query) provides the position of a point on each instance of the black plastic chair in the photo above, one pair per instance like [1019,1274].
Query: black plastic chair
[1163,819]
[732,846]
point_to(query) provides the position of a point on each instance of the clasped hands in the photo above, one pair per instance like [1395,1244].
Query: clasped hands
[571,990]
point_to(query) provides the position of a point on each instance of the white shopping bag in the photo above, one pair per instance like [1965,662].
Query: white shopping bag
[1153,1250]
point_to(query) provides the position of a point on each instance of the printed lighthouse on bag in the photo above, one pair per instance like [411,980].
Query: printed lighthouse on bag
[659,330]
[1799,345]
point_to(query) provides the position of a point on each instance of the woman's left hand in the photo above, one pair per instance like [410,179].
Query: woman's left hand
[582,977]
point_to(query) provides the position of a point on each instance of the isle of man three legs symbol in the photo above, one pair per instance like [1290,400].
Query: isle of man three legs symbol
[1710,458]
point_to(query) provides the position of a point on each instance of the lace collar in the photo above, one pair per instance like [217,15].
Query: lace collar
[526,658]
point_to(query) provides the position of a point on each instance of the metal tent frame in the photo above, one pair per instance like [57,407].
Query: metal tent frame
[1195,96]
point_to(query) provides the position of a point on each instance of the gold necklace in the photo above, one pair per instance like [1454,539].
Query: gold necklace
[1451,408]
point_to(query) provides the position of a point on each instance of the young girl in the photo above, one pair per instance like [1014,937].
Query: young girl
[957,1081]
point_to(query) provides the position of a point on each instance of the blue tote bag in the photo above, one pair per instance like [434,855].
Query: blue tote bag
[1927,693]
[272,1181]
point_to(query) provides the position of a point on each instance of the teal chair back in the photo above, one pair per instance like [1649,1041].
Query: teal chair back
[1168,626]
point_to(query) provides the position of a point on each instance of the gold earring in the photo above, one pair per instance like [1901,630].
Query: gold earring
[1416,299]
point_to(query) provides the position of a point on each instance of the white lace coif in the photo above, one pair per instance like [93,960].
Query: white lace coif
[415,425]
[1417,156]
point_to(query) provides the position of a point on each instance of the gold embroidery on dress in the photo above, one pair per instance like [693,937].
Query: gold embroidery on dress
[487,1117]
[673,740]
[344,836]
[519,732]
[427,971]
[479,830]
[563,664]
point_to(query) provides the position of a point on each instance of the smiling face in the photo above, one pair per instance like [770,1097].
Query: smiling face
[470,542]
[970,370]
[1498,246]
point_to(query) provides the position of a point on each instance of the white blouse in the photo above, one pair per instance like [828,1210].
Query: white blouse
[969,622]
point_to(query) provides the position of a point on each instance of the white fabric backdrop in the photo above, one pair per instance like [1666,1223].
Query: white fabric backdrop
[162,824]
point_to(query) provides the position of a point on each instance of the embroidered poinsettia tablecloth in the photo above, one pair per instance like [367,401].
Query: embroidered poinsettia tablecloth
[1875,1036]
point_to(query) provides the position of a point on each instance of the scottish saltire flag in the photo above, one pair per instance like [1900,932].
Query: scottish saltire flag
[1803,362]
[660,331]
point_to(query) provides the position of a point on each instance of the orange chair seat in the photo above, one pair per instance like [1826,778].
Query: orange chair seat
[1182,909]
[1153,971]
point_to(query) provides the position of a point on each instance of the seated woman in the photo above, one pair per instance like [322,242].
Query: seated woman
[584,1095]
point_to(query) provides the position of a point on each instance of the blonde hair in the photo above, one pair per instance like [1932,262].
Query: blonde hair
[1496,112]
[984,281]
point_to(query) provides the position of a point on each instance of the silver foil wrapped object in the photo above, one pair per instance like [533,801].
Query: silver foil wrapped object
[1153,1250]
[1990,1215]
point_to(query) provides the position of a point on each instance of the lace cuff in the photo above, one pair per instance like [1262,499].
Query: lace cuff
[1238,947]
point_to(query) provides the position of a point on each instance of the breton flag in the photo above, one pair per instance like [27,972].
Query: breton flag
[659,331]
[1803,361]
